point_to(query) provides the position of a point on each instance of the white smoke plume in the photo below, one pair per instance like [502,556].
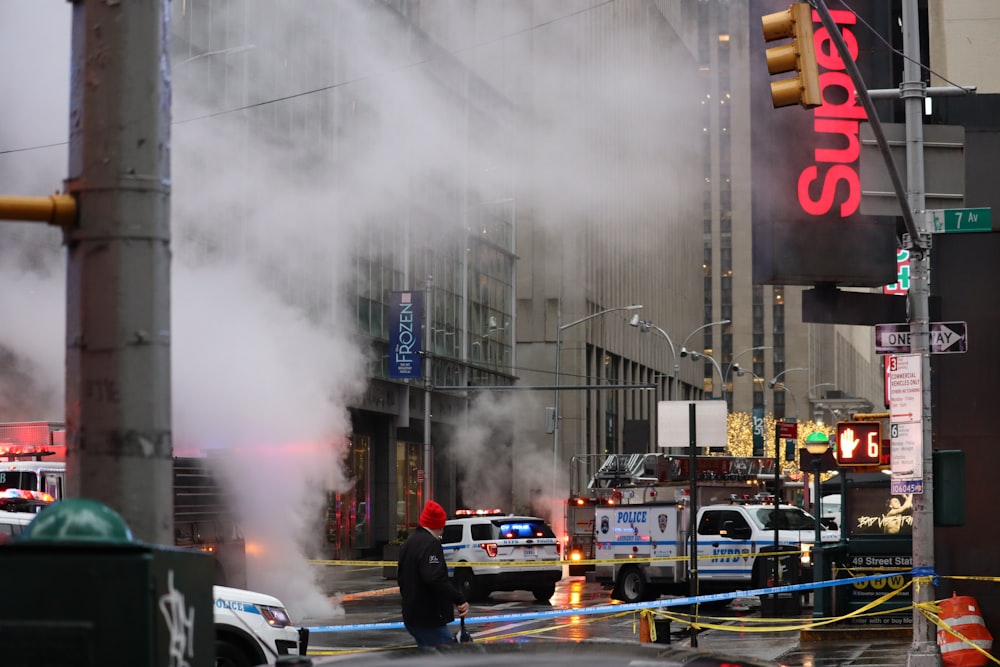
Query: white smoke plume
[267,218]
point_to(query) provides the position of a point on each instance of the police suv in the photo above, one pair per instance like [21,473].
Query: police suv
[253,628]
[495,547]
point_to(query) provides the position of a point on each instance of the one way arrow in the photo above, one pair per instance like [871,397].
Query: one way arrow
[947,335]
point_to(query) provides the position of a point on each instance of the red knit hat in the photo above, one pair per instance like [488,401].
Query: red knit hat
[433,516]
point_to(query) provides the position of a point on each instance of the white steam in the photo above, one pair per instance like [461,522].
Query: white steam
[337,131]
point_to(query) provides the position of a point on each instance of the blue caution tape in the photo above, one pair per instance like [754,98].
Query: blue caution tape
[617,608]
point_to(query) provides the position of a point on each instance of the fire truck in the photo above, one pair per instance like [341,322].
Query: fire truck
[203,519]
[607,480]
[32,441]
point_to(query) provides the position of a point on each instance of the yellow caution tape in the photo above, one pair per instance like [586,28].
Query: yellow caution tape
[550,563]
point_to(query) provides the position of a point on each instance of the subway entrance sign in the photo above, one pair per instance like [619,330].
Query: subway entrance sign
[958,220]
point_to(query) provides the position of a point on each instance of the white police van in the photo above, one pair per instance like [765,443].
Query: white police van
[253,628]
[487,537]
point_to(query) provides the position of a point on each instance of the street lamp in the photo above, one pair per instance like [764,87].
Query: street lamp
[774,381]
[697,356]
[817,445]
[749,349]
[555,405]
[740,371]
[777,377]
[795,401]
[644,327]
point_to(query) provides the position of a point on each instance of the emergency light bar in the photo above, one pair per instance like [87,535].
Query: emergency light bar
[478,512]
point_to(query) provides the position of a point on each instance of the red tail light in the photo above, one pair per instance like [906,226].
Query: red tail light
[558,548]
[490,548]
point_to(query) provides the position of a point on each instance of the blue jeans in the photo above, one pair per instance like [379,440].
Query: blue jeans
[430,637]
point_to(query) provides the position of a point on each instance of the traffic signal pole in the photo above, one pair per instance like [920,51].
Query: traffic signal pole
[924,651]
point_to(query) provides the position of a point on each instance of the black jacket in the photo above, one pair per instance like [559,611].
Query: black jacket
[429,598]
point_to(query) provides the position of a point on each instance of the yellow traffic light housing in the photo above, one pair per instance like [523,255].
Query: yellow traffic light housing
[799,56]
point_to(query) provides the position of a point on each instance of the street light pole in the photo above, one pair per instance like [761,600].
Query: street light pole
[749,349]
[774,381]
[817,444]
[560,327]
[795,401]
[733,363]
[696,356]
[684,351]
[646,325]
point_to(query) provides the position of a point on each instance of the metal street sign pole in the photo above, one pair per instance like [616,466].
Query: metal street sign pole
[924,651]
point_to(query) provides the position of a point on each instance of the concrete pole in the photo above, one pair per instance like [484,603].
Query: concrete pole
[924,651]
[118,410]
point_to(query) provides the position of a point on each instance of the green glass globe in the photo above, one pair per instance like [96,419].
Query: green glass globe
[78,520]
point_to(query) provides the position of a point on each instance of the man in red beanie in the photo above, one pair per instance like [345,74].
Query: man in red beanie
[429,599]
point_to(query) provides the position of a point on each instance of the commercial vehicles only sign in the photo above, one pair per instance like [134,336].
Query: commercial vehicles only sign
[945,338]
[906,394]
[906,389]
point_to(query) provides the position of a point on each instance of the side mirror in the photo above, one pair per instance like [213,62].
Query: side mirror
[730,530]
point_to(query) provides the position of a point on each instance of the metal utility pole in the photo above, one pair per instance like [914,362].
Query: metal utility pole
[924,651]
[118,410]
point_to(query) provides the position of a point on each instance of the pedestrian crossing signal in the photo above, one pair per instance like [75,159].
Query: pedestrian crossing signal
[859,444]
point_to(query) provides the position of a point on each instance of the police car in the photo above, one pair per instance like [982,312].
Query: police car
[486,537]
[252,628]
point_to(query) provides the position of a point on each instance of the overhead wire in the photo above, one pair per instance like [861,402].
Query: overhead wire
[359,79]
[892,48]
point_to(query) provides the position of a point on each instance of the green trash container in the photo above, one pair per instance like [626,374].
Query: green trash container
[81,592]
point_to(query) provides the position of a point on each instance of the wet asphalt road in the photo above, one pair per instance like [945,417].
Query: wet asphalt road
[739,632]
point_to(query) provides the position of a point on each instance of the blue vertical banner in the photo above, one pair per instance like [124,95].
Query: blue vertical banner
[758,431]
[406,310]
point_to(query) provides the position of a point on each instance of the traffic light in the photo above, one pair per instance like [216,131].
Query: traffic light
[859,444]
[799,56]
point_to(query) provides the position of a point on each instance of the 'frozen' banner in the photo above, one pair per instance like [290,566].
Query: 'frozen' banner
[405,343]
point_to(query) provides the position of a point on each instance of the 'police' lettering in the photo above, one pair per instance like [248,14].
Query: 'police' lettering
[632,517]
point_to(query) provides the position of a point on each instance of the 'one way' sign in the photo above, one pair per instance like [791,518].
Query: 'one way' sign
[946,338]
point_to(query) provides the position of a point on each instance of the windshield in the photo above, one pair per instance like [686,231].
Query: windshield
[789,518]
[19,479]
[523,528]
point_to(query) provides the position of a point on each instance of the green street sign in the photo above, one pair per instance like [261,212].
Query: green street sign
[953,220]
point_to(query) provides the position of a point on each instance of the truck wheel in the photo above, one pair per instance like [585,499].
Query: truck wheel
[631,586]
[230,655]
[545,593]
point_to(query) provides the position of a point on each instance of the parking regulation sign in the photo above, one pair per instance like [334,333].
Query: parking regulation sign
[906,389]
[906,458]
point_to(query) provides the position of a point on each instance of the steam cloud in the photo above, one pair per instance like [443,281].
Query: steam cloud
[265,224]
